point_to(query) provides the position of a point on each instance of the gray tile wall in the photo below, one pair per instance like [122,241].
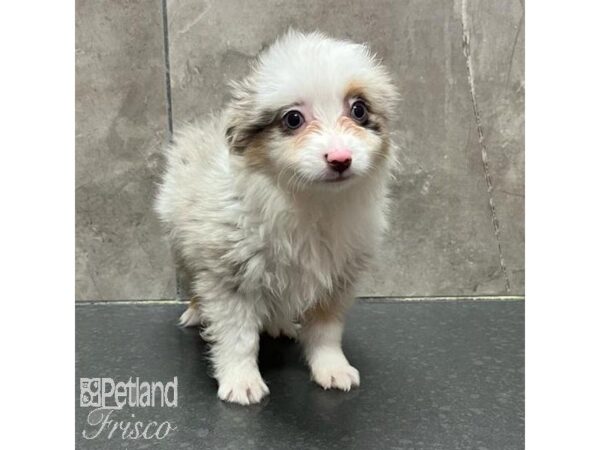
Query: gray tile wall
[121,118]
[460,70]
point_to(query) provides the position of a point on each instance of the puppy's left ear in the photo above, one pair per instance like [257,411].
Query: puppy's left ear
[244,119]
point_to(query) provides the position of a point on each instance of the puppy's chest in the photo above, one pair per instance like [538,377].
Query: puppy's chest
[306,262]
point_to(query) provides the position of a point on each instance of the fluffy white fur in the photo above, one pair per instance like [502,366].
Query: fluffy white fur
[274,240]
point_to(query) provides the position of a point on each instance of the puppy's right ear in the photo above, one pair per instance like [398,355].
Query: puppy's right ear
[235,144]
[244,119]
[238,124]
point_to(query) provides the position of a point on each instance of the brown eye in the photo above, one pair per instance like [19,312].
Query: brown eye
[293,120]
[358,111]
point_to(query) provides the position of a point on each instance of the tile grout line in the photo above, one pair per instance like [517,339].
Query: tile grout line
[488,179]
[435,299]
[514,47]
[458,298]
[167,62]
[169,98]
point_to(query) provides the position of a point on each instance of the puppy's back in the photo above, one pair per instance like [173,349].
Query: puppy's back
[197,179]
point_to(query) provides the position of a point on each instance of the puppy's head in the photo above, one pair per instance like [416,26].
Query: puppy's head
[313,113]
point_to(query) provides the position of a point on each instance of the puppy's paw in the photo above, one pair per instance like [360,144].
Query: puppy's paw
[288,329]
[244,388]
[339,375]
[190,318]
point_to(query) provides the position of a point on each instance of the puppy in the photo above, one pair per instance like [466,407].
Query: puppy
[276,206]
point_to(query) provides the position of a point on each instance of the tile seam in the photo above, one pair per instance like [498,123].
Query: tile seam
[167,63]
[483,298]
[466,45]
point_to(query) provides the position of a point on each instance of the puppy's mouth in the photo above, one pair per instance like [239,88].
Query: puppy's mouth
[340,178]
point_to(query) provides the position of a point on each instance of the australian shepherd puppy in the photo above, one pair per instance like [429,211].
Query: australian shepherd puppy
[276,206]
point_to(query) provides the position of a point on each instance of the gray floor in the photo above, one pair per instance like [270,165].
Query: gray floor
[434,375]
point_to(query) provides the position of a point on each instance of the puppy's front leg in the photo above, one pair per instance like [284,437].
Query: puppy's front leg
[321,336]
[234,330]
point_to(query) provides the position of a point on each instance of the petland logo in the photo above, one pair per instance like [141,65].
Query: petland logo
[108,398]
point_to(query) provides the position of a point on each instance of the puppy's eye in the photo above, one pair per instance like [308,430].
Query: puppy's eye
[293,120]
[358,111]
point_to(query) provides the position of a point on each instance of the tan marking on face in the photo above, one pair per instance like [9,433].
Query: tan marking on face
[256,153]
[355,89]
[384,150]
[312,128]
[347,125]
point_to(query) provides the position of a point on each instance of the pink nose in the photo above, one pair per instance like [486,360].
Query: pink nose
[339,159]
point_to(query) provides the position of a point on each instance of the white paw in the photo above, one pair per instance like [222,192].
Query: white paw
[244,389]
[338,376]
[289,329]
[190,318]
